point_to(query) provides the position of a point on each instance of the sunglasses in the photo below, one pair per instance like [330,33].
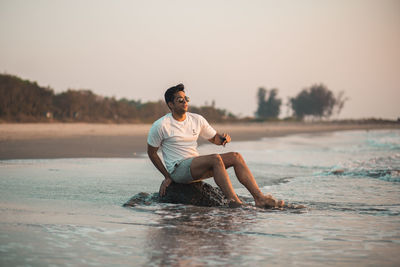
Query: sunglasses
[181,99]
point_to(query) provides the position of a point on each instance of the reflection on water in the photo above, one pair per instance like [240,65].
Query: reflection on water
[197,236]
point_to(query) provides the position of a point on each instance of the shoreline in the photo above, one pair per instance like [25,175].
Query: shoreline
[88,140]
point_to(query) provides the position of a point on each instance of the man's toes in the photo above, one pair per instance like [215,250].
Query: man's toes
[269,203]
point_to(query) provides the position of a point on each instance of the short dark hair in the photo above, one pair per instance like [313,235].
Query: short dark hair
[170,93]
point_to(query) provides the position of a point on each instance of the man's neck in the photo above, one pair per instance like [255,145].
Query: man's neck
[179,116]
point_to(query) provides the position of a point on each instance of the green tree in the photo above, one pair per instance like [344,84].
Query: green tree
[150,111]
[317,101]
[270,108]
[213,114]
[22,100]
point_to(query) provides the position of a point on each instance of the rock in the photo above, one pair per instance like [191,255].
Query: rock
[293,206]
[198,194]
[142,199]
[338,172]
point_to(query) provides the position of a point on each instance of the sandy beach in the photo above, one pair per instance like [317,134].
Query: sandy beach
[75,140]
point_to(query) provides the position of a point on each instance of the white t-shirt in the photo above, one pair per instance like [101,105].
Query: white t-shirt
[178,139]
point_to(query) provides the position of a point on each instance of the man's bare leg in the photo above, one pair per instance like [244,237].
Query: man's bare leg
[204,164]
[246,178]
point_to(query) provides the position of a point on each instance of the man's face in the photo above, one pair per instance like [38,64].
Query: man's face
[180,103]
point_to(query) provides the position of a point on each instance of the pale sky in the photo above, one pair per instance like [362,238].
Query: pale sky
[220,50]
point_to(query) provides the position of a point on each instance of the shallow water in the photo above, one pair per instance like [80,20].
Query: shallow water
[69,211]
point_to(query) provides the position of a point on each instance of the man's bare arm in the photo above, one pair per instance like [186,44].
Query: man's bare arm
[152,153]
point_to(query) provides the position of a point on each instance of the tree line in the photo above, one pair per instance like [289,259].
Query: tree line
[316,101]
[26,101]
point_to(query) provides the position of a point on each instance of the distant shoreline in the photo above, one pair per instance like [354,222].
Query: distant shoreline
[83,140]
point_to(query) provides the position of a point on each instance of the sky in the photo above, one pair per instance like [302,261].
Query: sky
[222,51]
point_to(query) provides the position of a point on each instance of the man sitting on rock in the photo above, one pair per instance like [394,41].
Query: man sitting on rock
[177,133]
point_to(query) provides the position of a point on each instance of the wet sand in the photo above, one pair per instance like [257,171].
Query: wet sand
[81,140]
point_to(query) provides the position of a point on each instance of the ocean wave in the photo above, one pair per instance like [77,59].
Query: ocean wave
[384,175]
[360,208]
[386,168]
[384,140]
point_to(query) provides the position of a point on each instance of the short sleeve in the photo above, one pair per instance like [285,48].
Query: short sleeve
[155,136]
[206,131]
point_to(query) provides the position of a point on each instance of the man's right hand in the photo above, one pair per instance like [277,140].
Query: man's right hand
[163,188]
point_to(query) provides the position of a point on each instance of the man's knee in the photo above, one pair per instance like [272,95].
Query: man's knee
[216,160]
[237,157]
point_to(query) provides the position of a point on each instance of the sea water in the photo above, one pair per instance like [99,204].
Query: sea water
[68,212]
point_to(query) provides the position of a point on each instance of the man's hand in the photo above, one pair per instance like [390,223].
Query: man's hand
[220,140]
[225,138]
[163,188]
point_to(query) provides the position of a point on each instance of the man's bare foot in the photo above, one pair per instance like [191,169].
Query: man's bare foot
[234,204]
[280,203]
[268,202]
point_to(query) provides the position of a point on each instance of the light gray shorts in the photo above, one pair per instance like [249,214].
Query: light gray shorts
[181,173]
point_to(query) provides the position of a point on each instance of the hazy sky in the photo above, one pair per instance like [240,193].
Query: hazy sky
[220,50]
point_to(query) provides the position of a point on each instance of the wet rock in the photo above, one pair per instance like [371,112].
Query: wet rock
[338,172]
[142,199]
[198,194]
[293,206]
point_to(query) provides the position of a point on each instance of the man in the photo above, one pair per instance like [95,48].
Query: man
[177,133]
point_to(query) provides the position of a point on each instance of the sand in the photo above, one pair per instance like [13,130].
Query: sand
[75,140]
